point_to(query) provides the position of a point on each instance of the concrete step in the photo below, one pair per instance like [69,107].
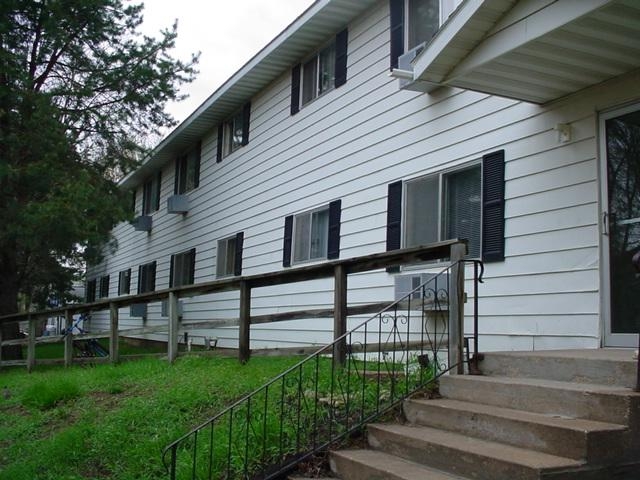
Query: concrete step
[566,437]
[576,400]
[615,367]
[370,464]
[467,456]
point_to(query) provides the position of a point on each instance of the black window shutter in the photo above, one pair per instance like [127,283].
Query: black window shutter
[493,207]
[133,200]
[394,215]
[141,280]
[237,262]
[192,266]
[196,182]
[171,270]
[333,244]
[288,237]
[394,219]
[295,89]
[342,39]
[220,140]
[152,274]
[159,180]
[397,30]
[176,184]
[246,120]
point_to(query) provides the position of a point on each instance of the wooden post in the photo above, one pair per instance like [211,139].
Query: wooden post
[339,314]
[172,341]
[456,308]
[31,345]
[68,338]
[114,354]
[244,333]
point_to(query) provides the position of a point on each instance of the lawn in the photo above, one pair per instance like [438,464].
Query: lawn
[111,422]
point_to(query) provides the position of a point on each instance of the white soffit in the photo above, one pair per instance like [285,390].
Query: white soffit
[535,50]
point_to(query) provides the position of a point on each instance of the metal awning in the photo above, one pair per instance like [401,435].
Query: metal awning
[535,50]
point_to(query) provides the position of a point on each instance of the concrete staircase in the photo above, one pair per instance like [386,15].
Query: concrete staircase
[562,415]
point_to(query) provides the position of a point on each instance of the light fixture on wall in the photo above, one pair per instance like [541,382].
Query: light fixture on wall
[564,132]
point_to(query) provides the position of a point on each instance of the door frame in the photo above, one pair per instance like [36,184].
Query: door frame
[609,339]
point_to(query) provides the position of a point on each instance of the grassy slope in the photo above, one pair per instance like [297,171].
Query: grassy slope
[111,422]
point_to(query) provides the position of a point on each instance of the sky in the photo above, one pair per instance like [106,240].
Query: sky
[227,35]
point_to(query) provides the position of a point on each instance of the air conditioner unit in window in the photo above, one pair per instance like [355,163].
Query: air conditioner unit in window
[164,311]
[178,204]
[138,310]
[432,300]
[142,223]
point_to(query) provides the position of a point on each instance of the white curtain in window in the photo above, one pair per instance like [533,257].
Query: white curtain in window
[319,234]
[301,240]
[424,21]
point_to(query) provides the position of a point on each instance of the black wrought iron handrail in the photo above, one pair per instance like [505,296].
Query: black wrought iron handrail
[318,402]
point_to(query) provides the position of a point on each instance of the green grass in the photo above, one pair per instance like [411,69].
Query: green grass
[111,422]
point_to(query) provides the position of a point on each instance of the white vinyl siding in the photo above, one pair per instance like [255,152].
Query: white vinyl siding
[369,134]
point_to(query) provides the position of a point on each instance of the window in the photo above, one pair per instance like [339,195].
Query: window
[444,206]
[187,171]
[416,21]
[151,194]
[323,71]
[229,256]
[147,277]
[313,235]
[467,203]
[91,291]
[104,286]
[234,133]
[318,73]
[182,268]
[124,282]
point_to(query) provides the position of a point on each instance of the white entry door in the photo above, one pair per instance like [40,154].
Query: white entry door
[620,154]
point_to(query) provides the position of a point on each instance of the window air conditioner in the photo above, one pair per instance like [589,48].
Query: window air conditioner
[178,204]
[142,223]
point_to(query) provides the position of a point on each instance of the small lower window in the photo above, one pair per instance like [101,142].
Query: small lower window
[124,282]
[310,235]
[183,268]
[147,277]
[90,294]
[229,256]
[104,286]
[444,206]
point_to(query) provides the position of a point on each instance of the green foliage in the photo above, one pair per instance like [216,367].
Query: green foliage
[46,395]
[122,418]
[79,89]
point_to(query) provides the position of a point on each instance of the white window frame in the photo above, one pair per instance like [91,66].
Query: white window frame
[151,195]
[181,267]
[309,258]
[314,59]
[445,9]
[187,172]
[222,264]
[442,207]
[231,142]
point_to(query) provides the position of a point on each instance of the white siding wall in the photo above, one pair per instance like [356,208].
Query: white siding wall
[350,144]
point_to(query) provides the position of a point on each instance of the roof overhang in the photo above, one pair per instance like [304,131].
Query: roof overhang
[302,36]
[532,50]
